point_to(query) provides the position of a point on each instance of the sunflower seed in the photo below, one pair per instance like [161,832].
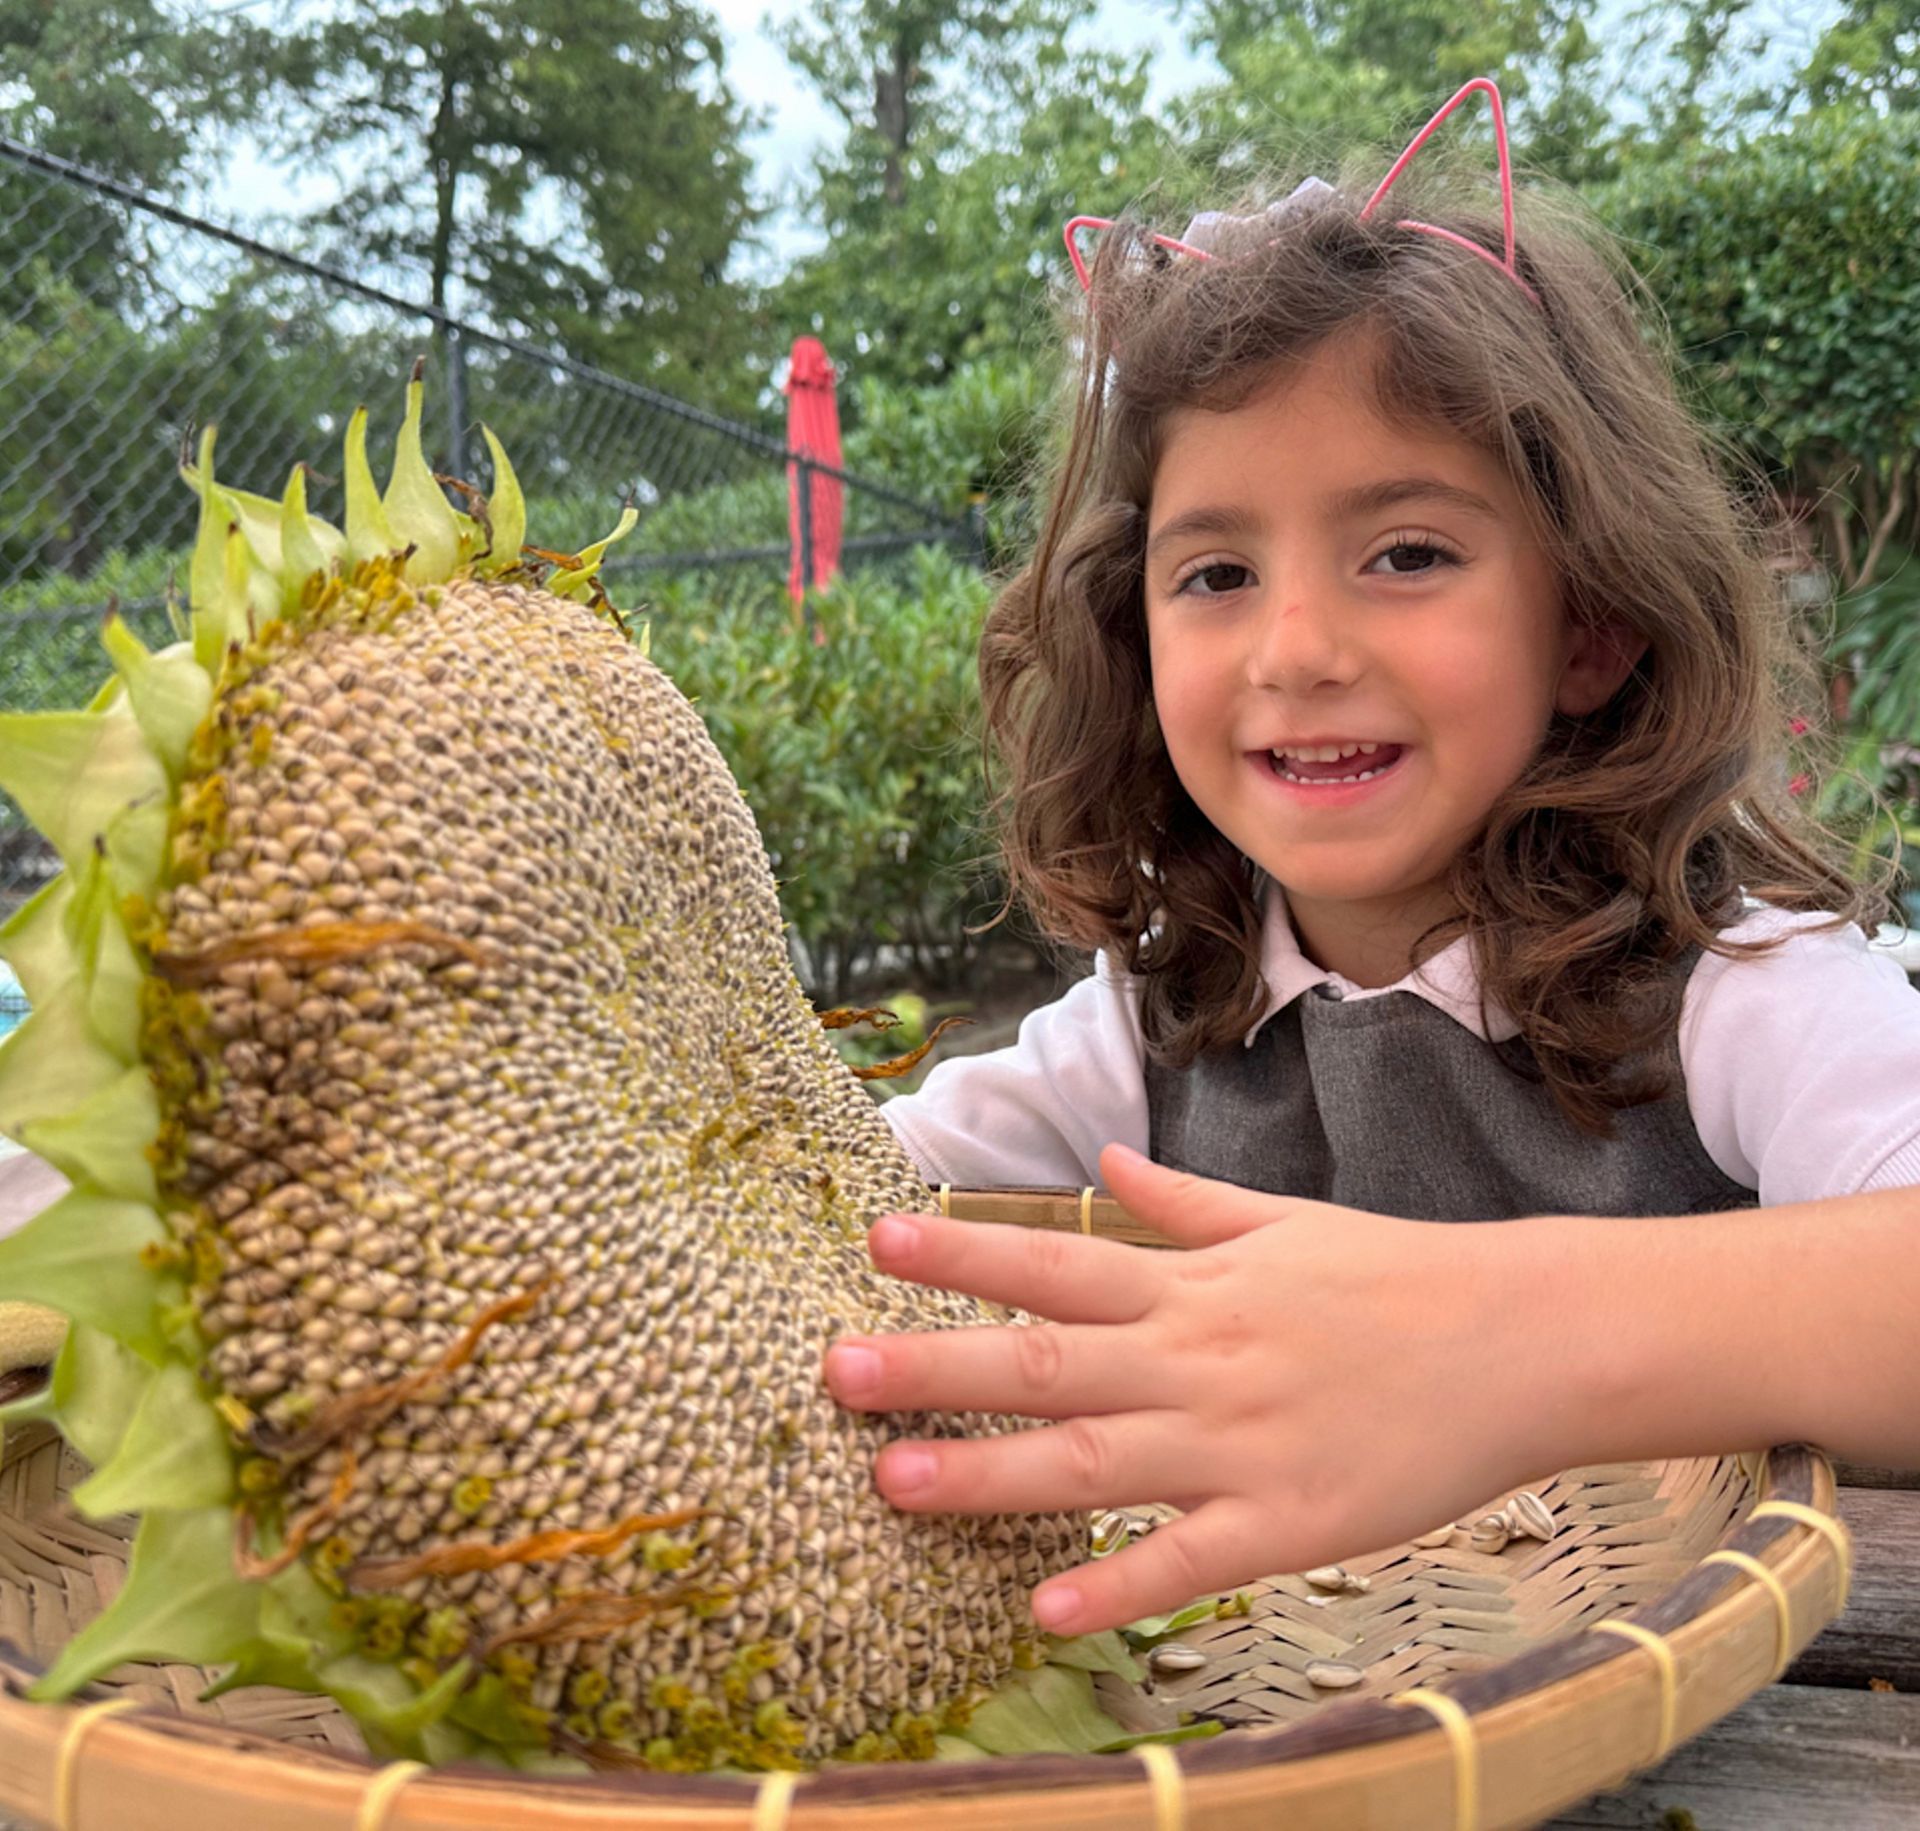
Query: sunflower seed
[1531,1515]
[1333,1674]
[1438,1536]
[1491,1533]
[1176,1656]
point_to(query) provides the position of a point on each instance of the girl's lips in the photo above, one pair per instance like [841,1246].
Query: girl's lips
[1332,795]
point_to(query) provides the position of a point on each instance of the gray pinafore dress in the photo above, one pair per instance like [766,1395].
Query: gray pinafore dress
[1393,1106]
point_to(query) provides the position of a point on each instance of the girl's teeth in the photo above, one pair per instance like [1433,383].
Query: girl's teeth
[1327,753]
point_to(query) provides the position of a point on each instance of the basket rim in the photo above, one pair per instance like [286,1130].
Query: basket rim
[1708,1597]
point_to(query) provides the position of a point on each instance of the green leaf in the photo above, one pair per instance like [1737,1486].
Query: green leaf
[1102,1652]
[174,1454]
[1152,1627]
[1049,1711]
[53,1063]
[169,692]
[387,1707]
[103,1139]
[368,535]
[957,1748]
[1186,1732]
[301,555]
[109,968]
[97,1385]
[506,510]
[75,773]
[416,507]
[35,942]
[576,582]
[81,1256]
[181,1601]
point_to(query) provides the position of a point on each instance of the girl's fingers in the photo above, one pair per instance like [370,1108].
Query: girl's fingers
[1067,1276]
[1061,1468]
[1190,1210]
[1198,1555]
[1050,1370]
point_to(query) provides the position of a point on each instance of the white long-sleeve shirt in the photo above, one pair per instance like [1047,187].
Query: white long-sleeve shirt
[1801,1066]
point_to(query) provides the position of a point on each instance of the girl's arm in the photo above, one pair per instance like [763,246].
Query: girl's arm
[1310,1383]
[1705,1333]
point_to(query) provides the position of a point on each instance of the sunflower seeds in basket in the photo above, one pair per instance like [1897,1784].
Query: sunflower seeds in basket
[1337,1577]
[1438,1536]
[1176,1656]
[1491,1532]
[1531,1515]
[1333,1674]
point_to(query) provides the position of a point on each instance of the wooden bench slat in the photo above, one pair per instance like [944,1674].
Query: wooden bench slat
[1793,1757]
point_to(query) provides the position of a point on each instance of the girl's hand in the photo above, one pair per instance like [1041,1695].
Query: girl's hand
[1308,1383]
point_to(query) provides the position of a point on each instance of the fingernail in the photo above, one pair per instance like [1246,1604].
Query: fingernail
[853,1372]
[1055,1606]
[909,1469]
[894,1235]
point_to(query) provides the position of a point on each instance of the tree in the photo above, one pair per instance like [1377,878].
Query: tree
[569,168]
[1310,81]
[1871,53]
[972,135]
[123,87]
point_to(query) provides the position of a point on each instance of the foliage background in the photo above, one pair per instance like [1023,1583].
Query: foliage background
[572,172]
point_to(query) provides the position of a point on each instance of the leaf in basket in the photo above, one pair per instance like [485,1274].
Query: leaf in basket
[1187,1732]
[174,1454]
[1152,1627]
[181,1601]
[1049,1711]
[82,1257]
[958,1748]
[1103,1652]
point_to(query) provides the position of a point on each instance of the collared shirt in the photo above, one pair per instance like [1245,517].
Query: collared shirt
[1801,1065]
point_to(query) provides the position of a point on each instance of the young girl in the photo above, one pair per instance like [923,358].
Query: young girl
[1395,702]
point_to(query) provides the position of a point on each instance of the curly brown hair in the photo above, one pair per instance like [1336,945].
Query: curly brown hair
[1629,841]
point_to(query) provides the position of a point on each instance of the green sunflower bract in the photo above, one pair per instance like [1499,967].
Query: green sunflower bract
[463,1190]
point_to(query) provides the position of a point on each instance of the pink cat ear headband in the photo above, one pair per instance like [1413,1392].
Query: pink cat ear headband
[1204,227]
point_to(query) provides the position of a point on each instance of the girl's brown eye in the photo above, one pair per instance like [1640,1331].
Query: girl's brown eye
[1222,576]
[1424,555]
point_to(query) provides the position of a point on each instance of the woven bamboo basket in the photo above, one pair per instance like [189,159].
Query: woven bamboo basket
[1497,1689]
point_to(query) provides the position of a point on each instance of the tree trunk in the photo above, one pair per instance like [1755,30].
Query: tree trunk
[892,116]
[440,150]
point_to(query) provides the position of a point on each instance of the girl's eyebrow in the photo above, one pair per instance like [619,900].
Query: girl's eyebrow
[1367,498]
[1230,521]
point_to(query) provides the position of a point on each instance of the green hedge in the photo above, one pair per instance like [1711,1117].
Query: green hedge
[858,756]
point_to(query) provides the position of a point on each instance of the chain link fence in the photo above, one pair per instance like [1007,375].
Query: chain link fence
[126,324]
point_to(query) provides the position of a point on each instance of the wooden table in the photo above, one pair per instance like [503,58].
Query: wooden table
[1821,1750]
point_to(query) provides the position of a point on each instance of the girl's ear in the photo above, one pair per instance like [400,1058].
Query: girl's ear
[1599,659]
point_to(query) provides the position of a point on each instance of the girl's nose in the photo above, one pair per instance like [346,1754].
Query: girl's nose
[1299,642]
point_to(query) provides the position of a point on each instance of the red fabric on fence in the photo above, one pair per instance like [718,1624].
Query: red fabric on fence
[813,429]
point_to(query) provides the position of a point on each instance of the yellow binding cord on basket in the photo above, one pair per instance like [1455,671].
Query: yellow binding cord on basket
[66,1763]
[1669,1677]
[774,1800]
[1086,1212]
[377,1801]
[1834,1530]
[1466,1757]
[946,1198]
[1166,1783]
[1782,1607]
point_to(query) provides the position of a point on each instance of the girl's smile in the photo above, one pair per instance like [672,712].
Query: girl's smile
[1357,646]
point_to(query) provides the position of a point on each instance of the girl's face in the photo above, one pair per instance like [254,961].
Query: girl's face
[1356,644]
